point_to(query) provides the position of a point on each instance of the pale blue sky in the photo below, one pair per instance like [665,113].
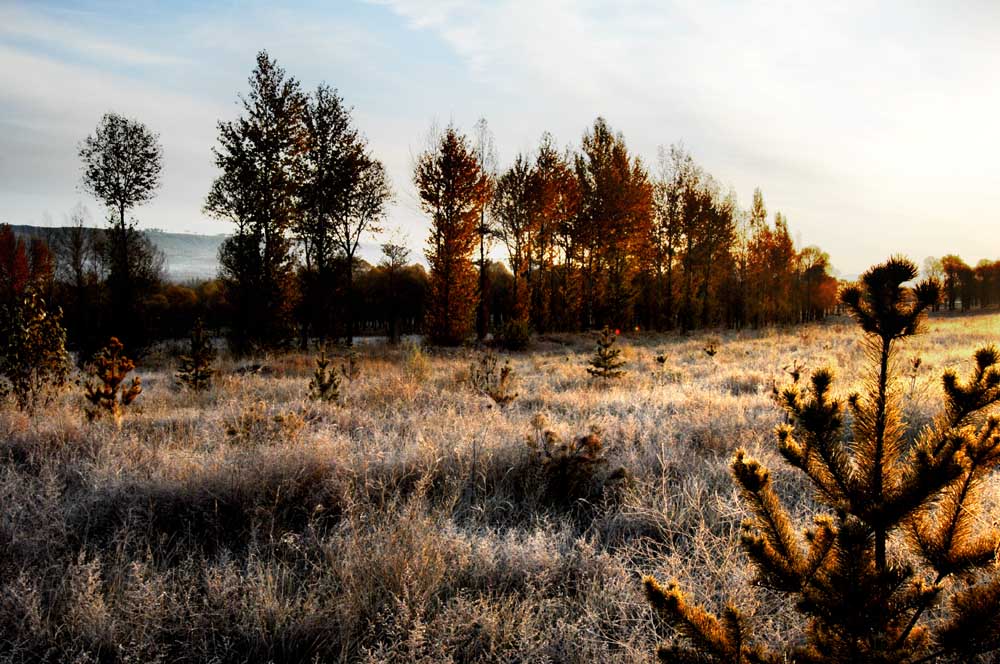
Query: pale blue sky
[875,129]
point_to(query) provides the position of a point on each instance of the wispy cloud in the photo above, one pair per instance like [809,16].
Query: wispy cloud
[865,123]
[56,32]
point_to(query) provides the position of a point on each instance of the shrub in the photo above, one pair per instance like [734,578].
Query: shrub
[607,361]
[196,367]
[857,602]
[325,383]
[514,335]
[106,392]
[351,368]
[254,424]
[33,360]
[417,362]
[490,379]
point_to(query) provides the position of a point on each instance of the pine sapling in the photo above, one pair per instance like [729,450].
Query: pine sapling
[196,368]
[325,383]
[106,392]
[932,596]
[607,361]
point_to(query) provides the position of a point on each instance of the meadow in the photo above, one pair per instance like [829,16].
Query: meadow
[414,522]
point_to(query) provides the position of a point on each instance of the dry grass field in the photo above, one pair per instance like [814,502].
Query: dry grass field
[414,522]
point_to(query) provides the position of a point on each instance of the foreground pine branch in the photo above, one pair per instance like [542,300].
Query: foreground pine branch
[858,603]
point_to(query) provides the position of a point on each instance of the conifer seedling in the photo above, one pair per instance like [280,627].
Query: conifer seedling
[607,361]
[325,383]
[196,368]
[934,594]
[106,392]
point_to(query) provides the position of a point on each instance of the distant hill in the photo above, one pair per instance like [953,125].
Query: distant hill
[189,256]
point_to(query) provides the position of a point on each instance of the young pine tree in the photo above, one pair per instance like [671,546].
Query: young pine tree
[325,383]
[934,594]
[107,392]
[607,361]
[196,367]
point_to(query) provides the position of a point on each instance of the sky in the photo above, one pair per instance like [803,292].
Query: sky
[873,127]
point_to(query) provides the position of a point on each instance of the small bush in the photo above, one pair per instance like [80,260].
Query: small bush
[106,392]
[33,360]
[514,335]
[490,379]
[417,363]
[607,361]
[351,368]
[254,424]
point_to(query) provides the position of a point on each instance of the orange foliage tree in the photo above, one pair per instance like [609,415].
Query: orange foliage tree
[453,189]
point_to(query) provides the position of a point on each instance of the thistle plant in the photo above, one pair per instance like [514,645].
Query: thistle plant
[607,361]
[196,367]
[325,383]
[934,595]
[106,391]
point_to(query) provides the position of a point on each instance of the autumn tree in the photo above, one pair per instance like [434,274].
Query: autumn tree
[616,210]
[956,281]
[870,577]
[556,194]
[344,196]
[260,158]
[122,162]
[675,175]
[817,289]
[513,209]
[453,189]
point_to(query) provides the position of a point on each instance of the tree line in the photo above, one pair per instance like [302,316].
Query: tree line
[963,286]
[591,236]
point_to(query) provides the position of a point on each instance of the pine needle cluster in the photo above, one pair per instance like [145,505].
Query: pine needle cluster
[106,391]
[196,367]
[33,360]
[325,383]
[607,361]
[490,379]
[935,594]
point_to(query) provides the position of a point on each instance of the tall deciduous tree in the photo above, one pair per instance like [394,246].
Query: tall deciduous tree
[616,214]
[260,156]
[557,202]
[122,162]
[513,209]
[345,193]
[453,189]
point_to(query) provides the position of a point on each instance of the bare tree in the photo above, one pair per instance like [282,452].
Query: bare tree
[486,154]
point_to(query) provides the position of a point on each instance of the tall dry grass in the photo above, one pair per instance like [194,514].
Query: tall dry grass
[413,522]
